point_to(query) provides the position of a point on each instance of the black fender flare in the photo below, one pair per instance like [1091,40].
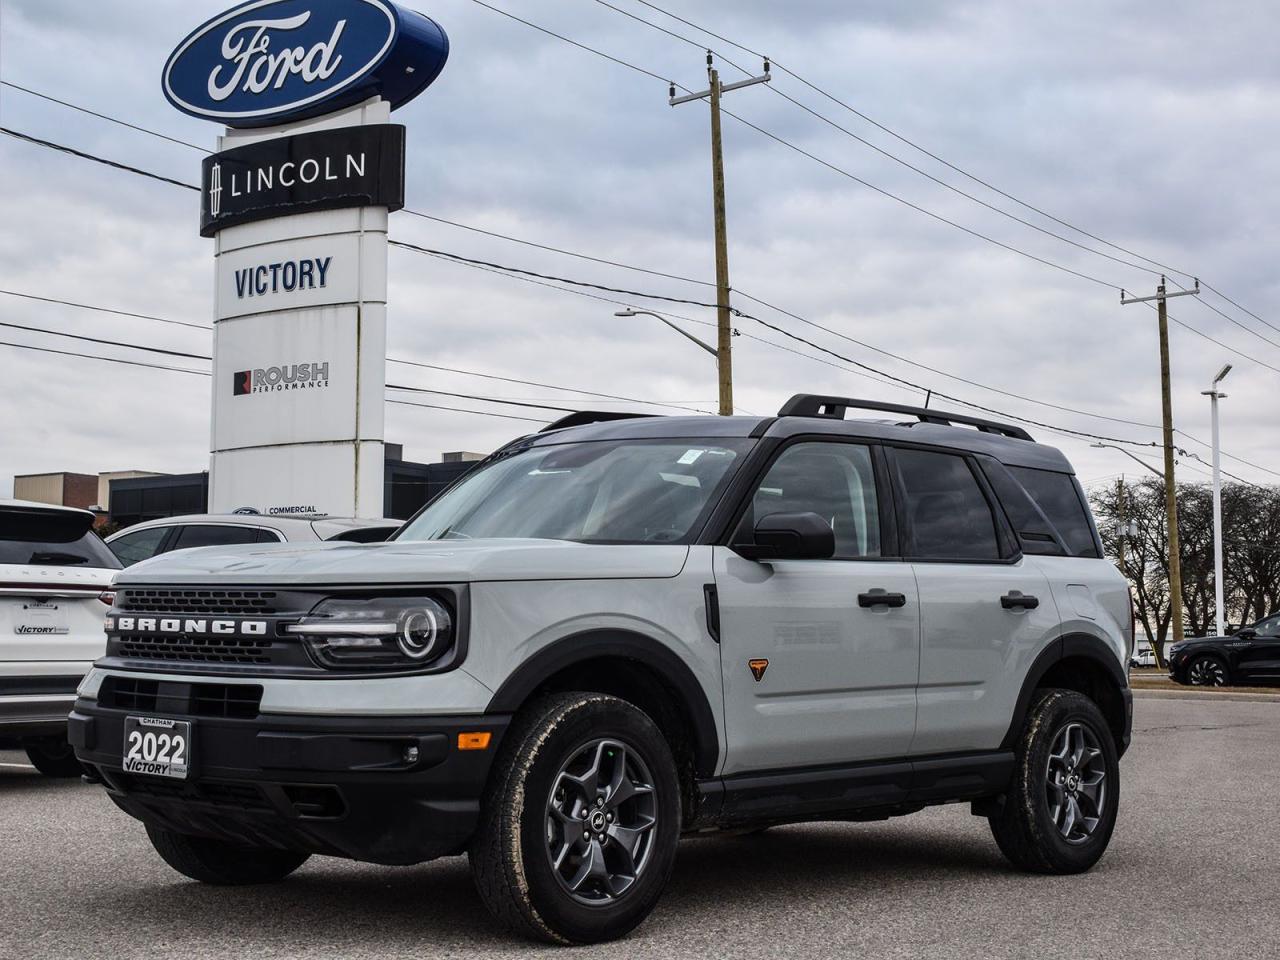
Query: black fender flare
[1080,645]
[629,645]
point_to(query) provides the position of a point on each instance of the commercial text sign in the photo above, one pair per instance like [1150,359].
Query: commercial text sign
[325,170]
[274,61]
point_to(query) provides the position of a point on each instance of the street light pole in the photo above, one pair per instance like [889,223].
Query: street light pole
[1138,460]
[684,333]
[1214,396]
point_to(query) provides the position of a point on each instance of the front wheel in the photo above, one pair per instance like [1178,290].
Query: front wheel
[1061,806]
[54,758]
[579,824]
[1207,672]
[220,863]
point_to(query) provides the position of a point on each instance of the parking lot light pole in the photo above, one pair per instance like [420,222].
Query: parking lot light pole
[1214,396]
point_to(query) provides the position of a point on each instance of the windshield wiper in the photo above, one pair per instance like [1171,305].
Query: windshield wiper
[57,559]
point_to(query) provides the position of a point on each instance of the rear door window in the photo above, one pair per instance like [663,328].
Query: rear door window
[1058,496]
[948,514]
[214,535]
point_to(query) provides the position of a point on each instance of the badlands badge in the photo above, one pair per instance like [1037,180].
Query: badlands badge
[758,667]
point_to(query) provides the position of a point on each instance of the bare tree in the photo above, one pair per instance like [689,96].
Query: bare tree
[1251,552]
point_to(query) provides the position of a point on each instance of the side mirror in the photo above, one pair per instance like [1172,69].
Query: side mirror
[790,536]
[1246,633]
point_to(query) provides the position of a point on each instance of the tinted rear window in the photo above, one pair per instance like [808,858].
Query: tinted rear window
[214,535]
[52,539]
[1056,494]
[949,514]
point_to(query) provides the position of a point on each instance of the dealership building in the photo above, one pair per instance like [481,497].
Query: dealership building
[126,497]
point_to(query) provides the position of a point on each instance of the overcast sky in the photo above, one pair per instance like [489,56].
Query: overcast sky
[1149,124]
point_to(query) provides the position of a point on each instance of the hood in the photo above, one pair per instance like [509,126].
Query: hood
[402,561]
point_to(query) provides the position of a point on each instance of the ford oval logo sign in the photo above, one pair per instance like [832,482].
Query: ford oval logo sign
[272,61]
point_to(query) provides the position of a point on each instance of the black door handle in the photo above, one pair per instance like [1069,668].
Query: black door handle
[878,598]
[1019,601]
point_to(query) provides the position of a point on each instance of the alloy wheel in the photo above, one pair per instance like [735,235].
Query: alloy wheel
[1076,782]
[1207,672]
[601,816]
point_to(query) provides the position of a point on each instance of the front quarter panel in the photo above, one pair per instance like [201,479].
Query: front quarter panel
[512,621]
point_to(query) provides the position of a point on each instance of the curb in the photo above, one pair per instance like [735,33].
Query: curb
[1142,693]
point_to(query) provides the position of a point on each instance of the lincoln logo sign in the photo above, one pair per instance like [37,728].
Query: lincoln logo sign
[322,170]
[273,61]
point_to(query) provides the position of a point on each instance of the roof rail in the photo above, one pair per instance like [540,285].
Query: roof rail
[833,408]
[583,417]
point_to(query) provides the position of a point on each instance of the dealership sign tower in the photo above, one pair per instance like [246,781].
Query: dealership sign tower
[297,199]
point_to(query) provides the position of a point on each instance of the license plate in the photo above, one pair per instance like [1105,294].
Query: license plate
[157,747]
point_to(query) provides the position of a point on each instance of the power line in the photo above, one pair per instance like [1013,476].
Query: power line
[532,274]
[698,303]
[885,153]
[96,159]
[547,386]
[544,276]
[205,373]
[94,356]
[89,306]
[479,413]
[915,146]
[567,253]
[101,116]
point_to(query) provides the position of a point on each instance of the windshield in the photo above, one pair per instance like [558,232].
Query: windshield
[628,491]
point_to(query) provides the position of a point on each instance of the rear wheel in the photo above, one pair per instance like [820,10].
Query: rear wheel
[580,821]
[54,758]
[1208,671]
[220,863]
[1061,807]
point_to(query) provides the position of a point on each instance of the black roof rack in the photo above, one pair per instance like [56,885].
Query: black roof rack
[833,408]
[583,417]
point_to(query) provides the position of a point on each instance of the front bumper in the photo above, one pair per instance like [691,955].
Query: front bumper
[342,786]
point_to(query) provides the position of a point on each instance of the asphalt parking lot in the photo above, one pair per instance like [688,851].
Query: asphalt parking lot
[1193,871]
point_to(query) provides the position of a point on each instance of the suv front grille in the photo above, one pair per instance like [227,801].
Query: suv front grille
[194,649]
[237,701]
[213,602]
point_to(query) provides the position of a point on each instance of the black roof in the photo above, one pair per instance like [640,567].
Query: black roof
[1007,443]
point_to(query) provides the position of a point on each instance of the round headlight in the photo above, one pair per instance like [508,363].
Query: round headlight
[419,633]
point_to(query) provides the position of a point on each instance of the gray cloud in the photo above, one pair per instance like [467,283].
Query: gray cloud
[1150,124]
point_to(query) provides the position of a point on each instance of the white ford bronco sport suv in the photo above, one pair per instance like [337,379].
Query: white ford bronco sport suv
[625,629]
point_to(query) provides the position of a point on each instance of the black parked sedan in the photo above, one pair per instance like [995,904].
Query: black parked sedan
[1250,655]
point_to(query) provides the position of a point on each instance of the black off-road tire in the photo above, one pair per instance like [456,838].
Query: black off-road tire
[54,758]
[1024,827]
[509,858]
[223,864]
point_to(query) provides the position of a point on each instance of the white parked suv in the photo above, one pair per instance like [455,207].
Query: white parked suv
[55,576]
[614,633]
[142,541]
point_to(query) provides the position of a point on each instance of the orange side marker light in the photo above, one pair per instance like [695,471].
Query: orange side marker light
[474,741]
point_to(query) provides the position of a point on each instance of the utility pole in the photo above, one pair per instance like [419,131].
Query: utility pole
[1170,488]
[1123,518]
[724,333]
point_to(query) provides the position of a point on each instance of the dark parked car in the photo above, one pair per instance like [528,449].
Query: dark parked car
[1250,655]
